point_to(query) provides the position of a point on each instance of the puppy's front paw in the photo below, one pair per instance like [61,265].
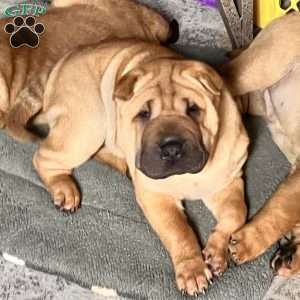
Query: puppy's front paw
[247,244]
[192,275]
[216,253]
[286,261]
[65,193]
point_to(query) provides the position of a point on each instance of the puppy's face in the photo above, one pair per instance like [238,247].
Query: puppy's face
[168,117]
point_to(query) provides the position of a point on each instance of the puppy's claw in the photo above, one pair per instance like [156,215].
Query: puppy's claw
[233,242]
[234,258]
[276,264]
[208,257]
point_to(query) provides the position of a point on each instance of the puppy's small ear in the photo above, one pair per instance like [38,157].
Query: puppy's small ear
[125,87]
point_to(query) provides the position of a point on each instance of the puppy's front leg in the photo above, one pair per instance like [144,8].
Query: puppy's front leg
[230,210]
[69,144]
[278,217]
[168,220]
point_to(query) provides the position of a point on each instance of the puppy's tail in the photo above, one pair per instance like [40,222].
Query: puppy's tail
[19,117]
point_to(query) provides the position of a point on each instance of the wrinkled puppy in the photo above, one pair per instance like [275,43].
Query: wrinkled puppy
[270,71]
[170,122]
[69,24]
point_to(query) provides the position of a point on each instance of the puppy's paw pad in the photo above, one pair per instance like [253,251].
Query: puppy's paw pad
[24,32]
[192,276]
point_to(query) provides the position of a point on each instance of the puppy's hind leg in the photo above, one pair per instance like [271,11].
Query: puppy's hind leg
[270,56]
[68,145]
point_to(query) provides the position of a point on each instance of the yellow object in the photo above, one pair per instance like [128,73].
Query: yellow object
[267,10]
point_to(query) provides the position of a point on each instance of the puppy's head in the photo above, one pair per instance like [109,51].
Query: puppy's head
[168,119]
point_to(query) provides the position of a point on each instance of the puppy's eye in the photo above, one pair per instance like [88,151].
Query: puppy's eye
[193,109]
[144,115]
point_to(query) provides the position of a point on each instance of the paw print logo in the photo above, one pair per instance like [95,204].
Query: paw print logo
[24,32]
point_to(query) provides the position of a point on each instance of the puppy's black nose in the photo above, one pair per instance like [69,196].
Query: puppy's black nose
[171,148]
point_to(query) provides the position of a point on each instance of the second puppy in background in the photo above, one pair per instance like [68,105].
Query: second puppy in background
[269,71]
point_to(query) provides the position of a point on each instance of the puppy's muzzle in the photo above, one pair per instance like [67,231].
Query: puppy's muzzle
[173,155]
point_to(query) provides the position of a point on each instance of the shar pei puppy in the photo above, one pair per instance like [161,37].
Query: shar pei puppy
[171,123]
